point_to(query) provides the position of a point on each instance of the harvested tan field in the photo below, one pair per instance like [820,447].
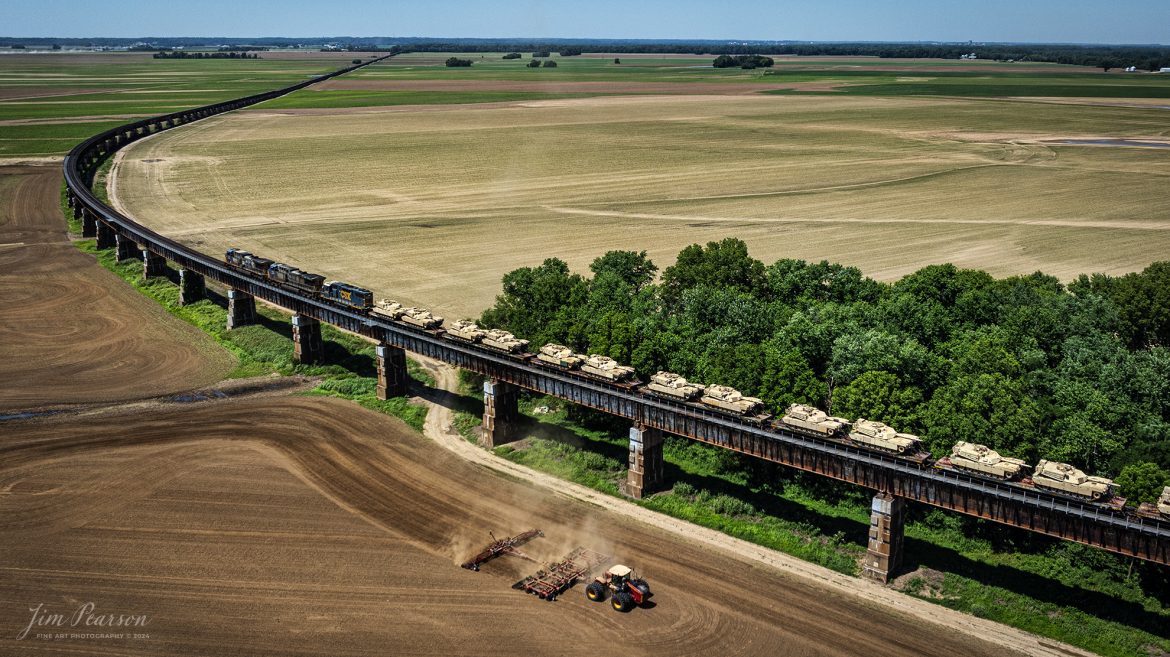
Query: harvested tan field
[310,526]
[558,86]
[434,207]
[72,332]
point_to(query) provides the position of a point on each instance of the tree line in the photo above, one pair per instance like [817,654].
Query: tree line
[183,54]
[1147,57]
[742,61]
[1027,365]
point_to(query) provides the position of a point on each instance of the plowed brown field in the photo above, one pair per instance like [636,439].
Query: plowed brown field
[71,331]
[221,523]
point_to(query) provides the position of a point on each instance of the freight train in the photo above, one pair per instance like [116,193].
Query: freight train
[291,278]
[979,460]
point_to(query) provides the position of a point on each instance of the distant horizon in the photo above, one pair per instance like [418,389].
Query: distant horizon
[1081,22]
[550,39]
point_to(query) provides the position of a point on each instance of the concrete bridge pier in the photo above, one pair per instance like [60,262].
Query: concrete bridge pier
[392,378]
[192,287]
[307,346]
[88,221]
[241,310]
[646,473]
[500,413]
[883,556]
[153,265]
[106,236]
[125,248]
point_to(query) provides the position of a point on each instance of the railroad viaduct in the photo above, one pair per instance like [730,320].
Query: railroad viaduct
[893,480]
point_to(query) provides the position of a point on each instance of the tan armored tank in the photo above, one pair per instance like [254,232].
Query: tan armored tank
[670,384]
[504,341]
[1164,502]
[814,419]
[883,437]
[420,317]
[1068,479]
[730,399]
[389,309]
[984,460]
[559,355]
[465,329]
[607,368]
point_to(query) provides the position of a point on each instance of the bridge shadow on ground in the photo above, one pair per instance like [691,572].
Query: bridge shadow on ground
[922,554]
[449,400]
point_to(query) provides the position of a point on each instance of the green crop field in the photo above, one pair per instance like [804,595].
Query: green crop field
[48,103]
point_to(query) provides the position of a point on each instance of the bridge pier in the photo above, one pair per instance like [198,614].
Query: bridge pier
[241,309]
[646,473]
[307,346]
[883,557]
[88,221]
[500,413]
[125,248]
[105,235]
[391,371]
[192,287]
[153,265]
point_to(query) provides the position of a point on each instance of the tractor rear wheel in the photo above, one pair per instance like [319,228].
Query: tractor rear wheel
[595,591]
[622,601]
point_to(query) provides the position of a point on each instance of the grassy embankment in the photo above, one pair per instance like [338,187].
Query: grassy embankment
[348,372]
[1063,591]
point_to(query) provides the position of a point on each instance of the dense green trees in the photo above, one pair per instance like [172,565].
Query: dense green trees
[742,61]
[1022,364]
[1142,482]
[453,62]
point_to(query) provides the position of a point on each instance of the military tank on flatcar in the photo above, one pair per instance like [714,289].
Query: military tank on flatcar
[407,314]
[814,419]
[729,399]
[350,296]
[465,330]
[607,368]
[559,355]
[289,276]
[986,461]
[883,437]
[389,309]
[422,318]
[1066,478]
[502,340]
[671,385]
[1164,502]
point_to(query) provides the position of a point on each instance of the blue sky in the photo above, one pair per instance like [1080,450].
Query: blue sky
[1082,21]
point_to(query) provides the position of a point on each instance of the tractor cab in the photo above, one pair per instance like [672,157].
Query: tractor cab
[628,591]
[618,575]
